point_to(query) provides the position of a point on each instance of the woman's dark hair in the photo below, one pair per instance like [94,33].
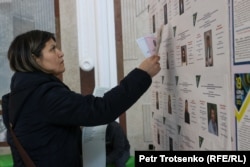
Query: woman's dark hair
[25,47]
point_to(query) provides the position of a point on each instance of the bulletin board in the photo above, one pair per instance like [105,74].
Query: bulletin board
[191,97]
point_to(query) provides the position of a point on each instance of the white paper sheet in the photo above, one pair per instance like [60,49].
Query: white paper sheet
[93,140]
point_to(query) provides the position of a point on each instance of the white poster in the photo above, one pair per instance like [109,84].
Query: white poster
[241,75]
[191,94]
[94,146]
[241,17]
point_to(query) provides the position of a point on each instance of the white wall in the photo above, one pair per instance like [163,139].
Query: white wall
[96,39]
[69,45]
[135,24]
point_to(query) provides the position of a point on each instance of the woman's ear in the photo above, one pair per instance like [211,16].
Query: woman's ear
[37,60]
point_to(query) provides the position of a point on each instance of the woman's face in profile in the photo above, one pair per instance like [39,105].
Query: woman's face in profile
[51,60]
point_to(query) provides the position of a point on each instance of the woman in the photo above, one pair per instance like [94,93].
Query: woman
[46,115]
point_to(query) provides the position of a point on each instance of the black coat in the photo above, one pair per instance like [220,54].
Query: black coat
[47,115]
[116,142]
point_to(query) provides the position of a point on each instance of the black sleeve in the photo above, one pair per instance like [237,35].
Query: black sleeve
[69,108]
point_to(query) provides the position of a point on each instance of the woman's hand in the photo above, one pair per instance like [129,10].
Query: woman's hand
[151,65]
